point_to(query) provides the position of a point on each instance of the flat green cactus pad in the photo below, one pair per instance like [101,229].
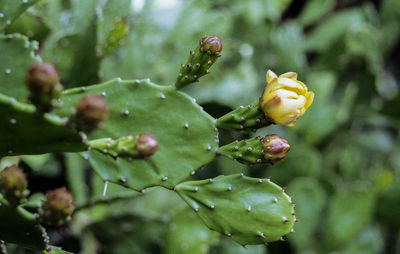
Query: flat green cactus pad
[26,132]
[186,134]
[17,55]
[186,234]
[11,9]
[250,210]
[19,226]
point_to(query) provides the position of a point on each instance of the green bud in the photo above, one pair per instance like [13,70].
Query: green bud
[57,208]
[211,44]
[275,148]
[44,85]
[91,110]
[13,185]
[146,144]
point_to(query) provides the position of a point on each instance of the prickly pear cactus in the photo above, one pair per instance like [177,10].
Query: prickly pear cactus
[250,210]
[186,135]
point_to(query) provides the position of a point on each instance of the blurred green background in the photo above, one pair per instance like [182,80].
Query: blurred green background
[343,169]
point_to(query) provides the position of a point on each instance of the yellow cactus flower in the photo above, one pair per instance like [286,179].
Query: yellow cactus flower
[285,98]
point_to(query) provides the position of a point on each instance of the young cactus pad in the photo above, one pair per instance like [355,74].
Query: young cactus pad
[21,226]
[186,134]
[250,210]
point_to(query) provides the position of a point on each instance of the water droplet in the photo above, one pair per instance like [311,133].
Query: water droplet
[162,96]
[8,22]
[13,121]
[196,188]
[165,178]
[249,208]
[186,125]
[119,80]
[229,188]
[137,81]
[103,94]
[209,147]
[193,172]
[105,189]
[24,1]
[1,15]
[8,71]
[126,112]
[123,179]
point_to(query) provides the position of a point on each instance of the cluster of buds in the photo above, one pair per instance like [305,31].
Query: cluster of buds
[44,85]
[57,207]
[91,110]
[13,185]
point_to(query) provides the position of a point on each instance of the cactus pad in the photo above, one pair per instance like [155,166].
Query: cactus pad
[11,9]
[16,58]
[186,134]
[19,226]
[250,210]
[30,133]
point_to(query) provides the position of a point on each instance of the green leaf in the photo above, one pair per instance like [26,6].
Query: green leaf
[186,234]
[310,200]
[350,210]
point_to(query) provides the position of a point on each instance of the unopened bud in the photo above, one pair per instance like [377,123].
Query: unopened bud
[44,85]
[211,44]
[57,208]
[90,111]
[13,185]
[42,77]
[146,144]
[275,148]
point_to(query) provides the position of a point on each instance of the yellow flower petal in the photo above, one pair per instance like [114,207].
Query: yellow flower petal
[291,75]
[270,75]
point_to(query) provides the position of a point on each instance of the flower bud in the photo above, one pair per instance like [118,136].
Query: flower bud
[41,78]
[146,144]
[211,44]
[285,98]
[275,148]
[57,208]
[90,111]
[43,83]
[13,185]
